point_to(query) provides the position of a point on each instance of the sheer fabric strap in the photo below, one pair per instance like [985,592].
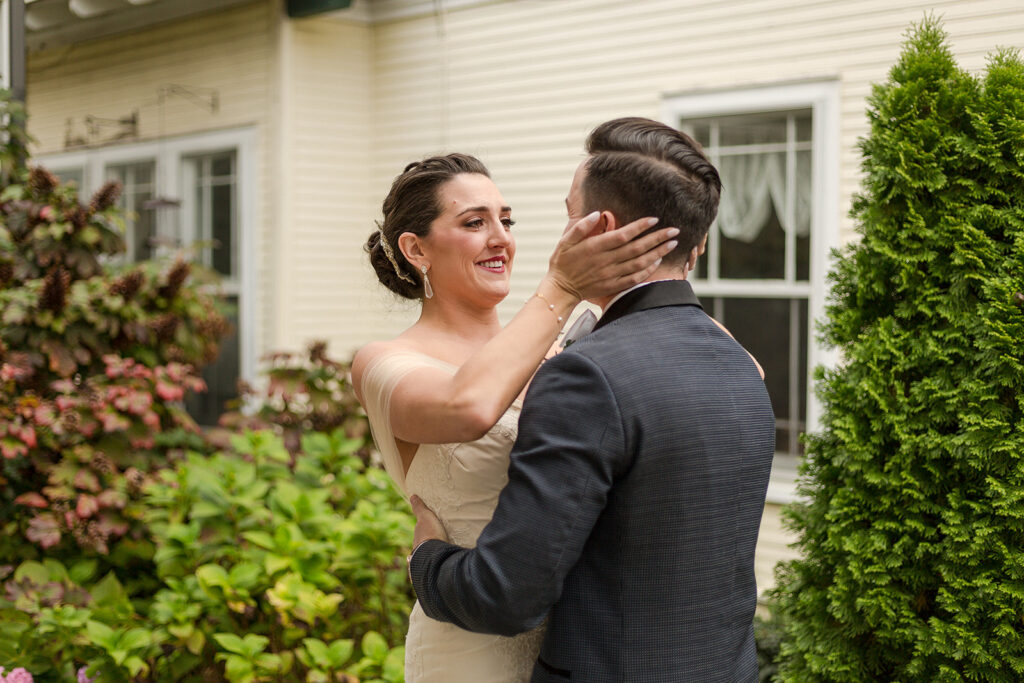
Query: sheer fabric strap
[379,382]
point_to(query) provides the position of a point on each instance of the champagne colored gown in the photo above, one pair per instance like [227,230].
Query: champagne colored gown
[460,482]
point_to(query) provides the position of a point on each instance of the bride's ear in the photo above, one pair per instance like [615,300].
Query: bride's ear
[412,249]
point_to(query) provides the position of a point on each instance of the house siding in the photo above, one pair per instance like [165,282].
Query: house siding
[521,83]
[328,197]
[232,52]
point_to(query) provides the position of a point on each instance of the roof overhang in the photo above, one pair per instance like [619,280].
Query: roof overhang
[308,8]
[54,23]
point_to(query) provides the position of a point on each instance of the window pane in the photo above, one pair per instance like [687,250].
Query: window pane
[803,216]
[70,175]
[775,332]
[762,258]
[222,165]
[215,212]
[751,129]
[221,377]
[701,132]
[144,173]
[803,127]
[137,189]
[144,229]
[221,221]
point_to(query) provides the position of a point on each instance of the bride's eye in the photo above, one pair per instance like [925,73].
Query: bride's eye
[475,223]
[508,223]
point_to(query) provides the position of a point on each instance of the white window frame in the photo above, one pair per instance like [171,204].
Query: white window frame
[822,98]
[171,156]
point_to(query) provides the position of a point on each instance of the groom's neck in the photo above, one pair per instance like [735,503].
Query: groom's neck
[662,273]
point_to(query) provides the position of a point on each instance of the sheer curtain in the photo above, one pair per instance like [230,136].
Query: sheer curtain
[754,184]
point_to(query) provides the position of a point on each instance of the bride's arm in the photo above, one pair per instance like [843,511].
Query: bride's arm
[431,406]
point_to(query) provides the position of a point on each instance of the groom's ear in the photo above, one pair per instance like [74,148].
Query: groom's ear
[607,222]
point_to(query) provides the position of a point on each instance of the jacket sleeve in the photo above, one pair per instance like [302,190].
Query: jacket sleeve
[571,448]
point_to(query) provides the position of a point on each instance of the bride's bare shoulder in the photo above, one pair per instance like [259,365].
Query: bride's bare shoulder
[368,353]
[371,352]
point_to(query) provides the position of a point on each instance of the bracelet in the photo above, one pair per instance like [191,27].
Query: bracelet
[408,559]
[551,306]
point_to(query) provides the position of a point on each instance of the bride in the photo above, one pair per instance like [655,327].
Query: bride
[443,397]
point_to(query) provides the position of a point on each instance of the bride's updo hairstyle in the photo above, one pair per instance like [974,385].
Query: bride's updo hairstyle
[411,206]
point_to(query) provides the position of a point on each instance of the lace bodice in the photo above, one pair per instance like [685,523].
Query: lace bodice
[460,482]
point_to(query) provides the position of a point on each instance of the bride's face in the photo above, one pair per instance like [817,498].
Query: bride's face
[470,247]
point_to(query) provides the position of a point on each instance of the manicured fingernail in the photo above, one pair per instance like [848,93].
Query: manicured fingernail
[657,263]
[671,245]
[672,232]
[592,216]
[652,221]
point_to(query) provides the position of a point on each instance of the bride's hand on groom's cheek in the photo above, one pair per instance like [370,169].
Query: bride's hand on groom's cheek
[428,526]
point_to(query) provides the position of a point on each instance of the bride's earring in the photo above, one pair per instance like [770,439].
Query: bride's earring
[428,291]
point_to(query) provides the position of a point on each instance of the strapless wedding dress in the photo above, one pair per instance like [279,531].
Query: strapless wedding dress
[460,482]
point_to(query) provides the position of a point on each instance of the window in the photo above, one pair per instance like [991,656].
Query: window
[70,175]
[763,273]
[138,181]
[210,182]
[188,194]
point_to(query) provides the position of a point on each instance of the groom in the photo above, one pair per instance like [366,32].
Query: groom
[637,482]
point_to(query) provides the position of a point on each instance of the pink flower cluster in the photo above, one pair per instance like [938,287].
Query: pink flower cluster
[19,675]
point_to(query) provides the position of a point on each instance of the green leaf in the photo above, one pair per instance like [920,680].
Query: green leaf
[213,575]
[108,591]
[135,665]
[36,572]
[205,509]
[56,570]
[11,192]
[374,646]
[230,642]
[196,642]
[245,575]
[276,563]
[135,639]
[341,651]
[393,669]
[83,570]
[259,538]
[268,662]
[238,669]
[101,635]
[319,651]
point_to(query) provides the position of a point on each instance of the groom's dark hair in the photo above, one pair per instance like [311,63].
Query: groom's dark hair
[639,167]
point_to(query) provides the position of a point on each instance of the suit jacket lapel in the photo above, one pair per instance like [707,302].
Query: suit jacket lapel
[654,295]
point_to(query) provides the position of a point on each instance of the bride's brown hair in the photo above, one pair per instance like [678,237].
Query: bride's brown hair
[412,204]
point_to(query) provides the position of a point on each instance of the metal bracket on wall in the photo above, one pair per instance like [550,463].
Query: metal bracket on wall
[207,98]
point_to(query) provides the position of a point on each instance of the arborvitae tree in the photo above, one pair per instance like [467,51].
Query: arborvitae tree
[912,534]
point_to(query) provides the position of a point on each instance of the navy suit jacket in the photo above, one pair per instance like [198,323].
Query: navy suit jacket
[635,494]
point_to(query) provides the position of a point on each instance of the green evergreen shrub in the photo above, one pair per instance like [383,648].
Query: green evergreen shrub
[912,536]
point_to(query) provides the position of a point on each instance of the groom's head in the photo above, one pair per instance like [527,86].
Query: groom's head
[638,167]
